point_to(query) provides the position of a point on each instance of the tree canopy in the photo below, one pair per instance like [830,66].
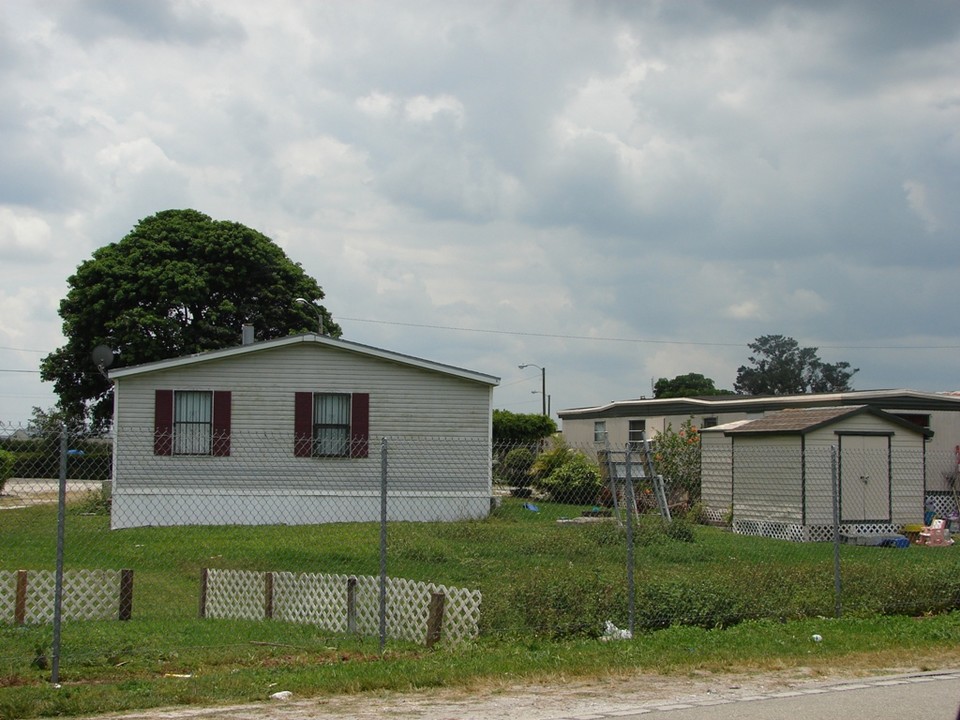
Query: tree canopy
[689,385]
[509,427]
[779,366]
[178,283]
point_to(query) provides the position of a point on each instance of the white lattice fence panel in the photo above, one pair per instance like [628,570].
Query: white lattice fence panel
[237,594]
[408,607]
[8,596]
[368,605]
[87,595]
[461,615]
[91,594]
[322,600]
[311,598]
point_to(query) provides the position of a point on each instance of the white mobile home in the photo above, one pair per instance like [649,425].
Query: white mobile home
[290,431]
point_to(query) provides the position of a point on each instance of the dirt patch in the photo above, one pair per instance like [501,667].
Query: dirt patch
[20,493]
[530,701]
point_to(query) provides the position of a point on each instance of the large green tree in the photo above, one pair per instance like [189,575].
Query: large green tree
[178,283]
[510,427]
[689,385]
[779,366]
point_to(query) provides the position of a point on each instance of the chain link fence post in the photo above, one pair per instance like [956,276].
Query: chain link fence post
[631,509]
[835,491]
[383,546]
[58,583]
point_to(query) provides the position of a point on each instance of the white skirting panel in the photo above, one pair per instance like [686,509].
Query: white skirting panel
[146,509]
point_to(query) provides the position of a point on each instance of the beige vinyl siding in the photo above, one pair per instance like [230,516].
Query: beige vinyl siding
[941,455]
[907,493]
[768,479]
[404,401]
[906,469]
[716,471]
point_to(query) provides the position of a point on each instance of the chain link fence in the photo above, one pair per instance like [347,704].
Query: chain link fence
[447,540]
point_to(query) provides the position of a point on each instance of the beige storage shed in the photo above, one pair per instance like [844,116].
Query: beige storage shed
[776,476]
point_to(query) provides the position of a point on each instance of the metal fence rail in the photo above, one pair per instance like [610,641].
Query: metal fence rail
[556,540]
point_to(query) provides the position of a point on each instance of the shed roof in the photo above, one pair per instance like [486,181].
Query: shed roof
[310,339]
[800,421]
[726,426]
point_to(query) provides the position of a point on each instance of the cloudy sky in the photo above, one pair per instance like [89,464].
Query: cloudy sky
[614,191]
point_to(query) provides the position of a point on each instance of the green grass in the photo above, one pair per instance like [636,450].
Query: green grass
[720,602]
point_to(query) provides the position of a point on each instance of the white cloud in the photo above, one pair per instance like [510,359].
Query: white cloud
[24,237]
[919,201]
[377,104]
[425,109]
[746,310]
[680,172]
[133,157]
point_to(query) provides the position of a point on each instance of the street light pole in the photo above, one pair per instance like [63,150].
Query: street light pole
[543,384]
[304,301]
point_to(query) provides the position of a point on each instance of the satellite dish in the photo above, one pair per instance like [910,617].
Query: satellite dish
[102,357]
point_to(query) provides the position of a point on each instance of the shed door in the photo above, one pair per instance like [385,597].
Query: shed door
[864,478]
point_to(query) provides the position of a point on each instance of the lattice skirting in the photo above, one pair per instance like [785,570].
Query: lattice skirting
[715,516]
[29,596]
[943,504]
[341,603]
[810,533]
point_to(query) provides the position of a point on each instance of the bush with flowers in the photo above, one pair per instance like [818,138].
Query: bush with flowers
[676,456]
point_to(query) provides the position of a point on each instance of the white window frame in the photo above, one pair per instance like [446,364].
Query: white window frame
[332,431]
[599,431]
[635,436]
[193,422]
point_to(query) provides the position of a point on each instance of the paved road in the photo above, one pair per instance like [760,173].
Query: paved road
[927,696]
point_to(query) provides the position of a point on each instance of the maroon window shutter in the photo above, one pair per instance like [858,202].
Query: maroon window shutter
[163,422]
[303,424]
[360,425]
[221,422]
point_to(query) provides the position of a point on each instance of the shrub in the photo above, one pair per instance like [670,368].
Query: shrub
[553,458]
[680,529]
[514,469]
[562,605]
[676,456]
[7,462]
[94,502]
[697,601]
[576,481]
[652,529]
[697,514]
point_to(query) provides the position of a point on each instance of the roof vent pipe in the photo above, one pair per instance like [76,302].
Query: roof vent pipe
[247,334]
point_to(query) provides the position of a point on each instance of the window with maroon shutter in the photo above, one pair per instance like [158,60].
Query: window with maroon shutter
[192,422]
[163,422]
[303,424]
[331,424]
[360,425]
[221,422]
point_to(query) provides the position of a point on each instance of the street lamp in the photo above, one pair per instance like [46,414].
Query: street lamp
[543,383]
[304,301]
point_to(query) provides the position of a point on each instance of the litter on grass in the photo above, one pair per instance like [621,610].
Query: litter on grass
[612,632]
